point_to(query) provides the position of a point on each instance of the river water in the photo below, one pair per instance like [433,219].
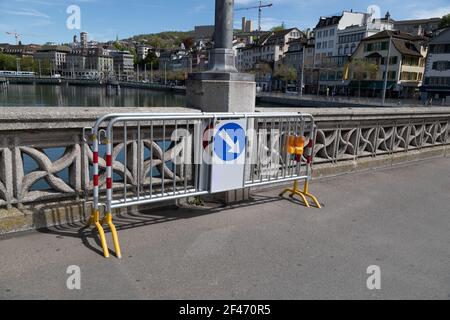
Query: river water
[80,96]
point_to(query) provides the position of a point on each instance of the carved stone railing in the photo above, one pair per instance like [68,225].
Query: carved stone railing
[353,140]
[44,159]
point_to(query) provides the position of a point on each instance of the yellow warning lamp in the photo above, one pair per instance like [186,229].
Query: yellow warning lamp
[291,145]
[299,145]
[295,145]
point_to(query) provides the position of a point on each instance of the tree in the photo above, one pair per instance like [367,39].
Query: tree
[7,62]
[150,59]
[445,22]
[28,64]
[188,43]
[279,28]
[261,69]
[360,69]
[118,46]
[285,73]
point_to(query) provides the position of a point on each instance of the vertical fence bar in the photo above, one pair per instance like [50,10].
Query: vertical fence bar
[109,170]
[175,167]
[139,160]
[163,158]
[95,175]
[125,160]
[151,159]
[186,147]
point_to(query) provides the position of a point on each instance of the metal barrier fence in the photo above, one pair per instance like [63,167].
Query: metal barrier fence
[215,152]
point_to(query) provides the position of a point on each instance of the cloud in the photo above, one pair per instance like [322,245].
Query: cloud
[198,8]
[430,13]
[26,12]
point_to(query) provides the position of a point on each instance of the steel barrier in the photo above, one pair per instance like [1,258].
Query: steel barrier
[215,152]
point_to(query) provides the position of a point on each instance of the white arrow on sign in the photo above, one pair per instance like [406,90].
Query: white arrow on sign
[234,147]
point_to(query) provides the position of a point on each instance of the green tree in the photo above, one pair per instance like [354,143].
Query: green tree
[361,69]
[7,62]
[445,22]
[118,46]
[281,27]
[285,73]
[45,67]
[28,64]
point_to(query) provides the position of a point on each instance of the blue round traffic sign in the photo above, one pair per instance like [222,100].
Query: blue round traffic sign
[229,141]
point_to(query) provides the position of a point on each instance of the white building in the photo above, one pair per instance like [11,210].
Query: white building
[326,33]
[437,70]
[142,52]
[55,55]
[350,37]
[337,38]
[270,48]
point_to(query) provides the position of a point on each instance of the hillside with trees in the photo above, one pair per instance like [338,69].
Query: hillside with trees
[163,40]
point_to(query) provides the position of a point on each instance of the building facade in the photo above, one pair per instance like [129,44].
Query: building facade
[123,65]
[270,48]
[56,56]
[437,71]
[337,38]
[91,64]
[419,27]
[405,67]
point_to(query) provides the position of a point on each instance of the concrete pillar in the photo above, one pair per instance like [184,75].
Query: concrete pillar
[222,88]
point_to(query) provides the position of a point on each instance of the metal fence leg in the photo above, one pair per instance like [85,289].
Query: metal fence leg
[95,221]
[305,193]
[309,161]
[296,191]
[108,220]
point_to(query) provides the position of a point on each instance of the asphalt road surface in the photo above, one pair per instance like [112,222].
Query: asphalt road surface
[397,219]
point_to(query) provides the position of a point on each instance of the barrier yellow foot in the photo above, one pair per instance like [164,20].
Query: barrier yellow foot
[95,220]
[306,193]
[115,236]
[303,194]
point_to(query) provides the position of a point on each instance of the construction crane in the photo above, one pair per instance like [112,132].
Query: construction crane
[259,7]
[15,34]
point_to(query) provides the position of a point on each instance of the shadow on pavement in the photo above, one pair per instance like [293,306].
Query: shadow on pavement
[139,218]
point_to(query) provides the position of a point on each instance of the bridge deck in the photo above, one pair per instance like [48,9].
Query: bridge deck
[395,218]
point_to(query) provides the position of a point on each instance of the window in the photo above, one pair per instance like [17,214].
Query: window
[393,60]
[325,33]
[319,45]
[441,65]
[330,44]
[331,32]
[440,48]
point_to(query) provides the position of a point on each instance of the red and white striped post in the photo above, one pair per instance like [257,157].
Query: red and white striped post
[95,217]
[109,196]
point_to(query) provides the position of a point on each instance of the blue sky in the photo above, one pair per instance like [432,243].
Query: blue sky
[45,20]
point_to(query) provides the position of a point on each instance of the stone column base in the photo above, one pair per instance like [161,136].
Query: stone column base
[221,92]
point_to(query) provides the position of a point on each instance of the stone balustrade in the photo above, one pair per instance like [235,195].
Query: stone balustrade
[45,163]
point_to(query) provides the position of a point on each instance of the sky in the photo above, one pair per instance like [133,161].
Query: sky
[41,21]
